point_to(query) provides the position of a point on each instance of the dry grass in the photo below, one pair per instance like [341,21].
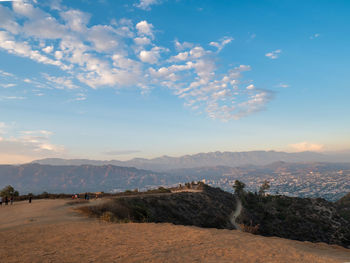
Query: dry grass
[78,202]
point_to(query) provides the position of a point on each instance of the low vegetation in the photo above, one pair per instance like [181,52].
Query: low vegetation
[305,219]
[209,208]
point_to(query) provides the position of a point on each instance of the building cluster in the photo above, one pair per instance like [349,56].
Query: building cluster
[330,185]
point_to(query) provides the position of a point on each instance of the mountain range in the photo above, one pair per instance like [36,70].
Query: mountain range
[230,159]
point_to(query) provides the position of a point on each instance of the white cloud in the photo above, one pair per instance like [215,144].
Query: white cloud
[182,46]
[26,145]
[80,97]
[283,85]
[12,98]
[48,49]
[76,20]
[142,41]
[307,146]
[61,82]
[151,56]
[315,36]
[146,4]
[6,74]
[223,42]
[274,54]
[123,54]
[144,28]
[8,85]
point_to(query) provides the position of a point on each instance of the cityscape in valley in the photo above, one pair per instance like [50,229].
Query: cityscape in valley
[314,180]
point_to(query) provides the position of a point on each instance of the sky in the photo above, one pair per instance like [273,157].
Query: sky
[145,78]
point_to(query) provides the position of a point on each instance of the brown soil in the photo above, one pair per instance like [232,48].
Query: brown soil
[51,231]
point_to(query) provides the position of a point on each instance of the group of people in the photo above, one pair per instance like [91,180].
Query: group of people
[6,200]
[77,196]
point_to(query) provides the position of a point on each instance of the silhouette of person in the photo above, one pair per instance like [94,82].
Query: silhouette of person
[30,199]
[6,200]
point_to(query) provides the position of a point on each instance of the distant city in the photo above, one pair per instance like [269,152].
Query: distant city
[328,184]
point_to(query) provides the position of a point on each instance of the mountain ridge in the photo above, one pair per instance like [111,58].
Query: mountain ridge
[231,159]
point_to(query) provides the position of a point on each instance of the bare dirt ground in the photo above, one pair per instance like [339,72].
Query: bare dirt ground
[51,231]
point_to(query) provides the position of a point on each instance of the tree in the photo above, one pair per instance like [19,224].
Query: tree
[9,191]
[239,187]
[264,187]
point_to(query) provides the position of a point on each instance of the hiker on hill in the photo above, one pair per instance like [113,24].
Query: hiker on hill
[6,200]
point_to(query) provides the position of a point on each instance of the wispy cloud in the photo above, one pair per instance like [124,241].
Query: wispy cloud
[316,35]
[307,146]
[282,85]
[223,42]
[27,144]
[274,54]
[146,4]
[12,98]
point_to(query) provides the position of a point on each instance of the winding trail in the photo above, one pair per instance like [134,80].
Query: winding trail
[235,214]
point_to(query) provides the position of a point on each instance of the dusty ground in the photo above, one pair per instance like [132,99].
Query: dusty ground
[50,231]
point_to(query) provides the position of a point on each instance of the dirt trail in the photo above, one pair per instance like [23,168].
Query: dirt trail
[51,231]
[235,214]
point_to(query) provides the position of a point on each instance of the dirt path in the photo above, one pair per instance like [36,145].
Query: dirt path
[235,214]
[50,231]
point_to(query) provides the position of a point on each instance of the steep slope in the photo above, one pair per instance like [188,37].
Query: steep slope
[304,219]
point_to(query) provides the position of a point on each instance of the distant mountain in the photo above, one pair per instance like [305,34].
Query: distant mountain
[230,159]
[37,178]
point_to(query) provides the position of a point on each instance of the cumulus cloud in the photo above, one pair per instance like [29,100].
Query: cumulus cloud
[307,146]
[123,54]
[144,28]
[274,54]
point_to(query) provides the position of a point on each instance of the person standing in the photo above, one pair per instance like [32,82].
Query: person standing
[1,201]
[6,200]
[30,199]
[11,200]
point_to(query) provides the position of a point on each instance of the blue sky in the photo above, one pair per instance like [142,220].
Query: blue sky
[145,78]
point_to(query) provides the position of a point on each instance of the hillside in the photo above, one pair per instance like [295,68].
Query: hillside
[303,219]
[210,208]
[37,178]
